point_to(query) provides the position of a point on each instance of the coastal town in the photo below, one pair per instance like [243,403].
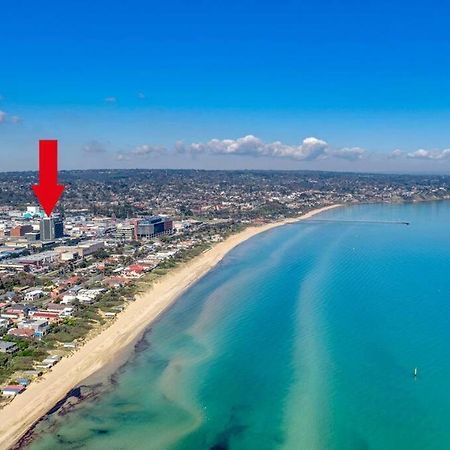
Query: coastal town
[224,225]
[65,278]
[62,280]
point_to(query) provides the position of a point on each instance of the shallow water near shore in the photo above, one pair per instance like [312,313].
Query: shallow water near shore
[304,337]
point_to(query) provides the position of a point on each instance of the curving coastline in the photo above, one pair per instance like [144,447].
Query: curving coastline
[18,416]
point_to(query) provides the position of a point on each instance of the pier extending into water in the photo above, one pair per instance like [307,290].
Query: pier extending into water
[371,222]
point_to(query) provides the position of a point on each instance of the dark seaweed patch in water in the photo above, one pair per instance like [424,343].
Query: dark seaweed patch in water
[234,429]
[157,362]
[76,393]
[67,442]
[100,431]
[357,441]
[143,343]
[61,408]
[82,393]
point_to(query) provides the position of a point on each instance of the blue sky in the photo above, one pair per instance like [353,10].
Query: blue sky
[231,84]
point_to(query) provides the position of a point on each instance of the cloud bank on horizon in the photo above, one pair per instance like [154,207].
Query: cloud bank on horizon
[427,154]
[309,150]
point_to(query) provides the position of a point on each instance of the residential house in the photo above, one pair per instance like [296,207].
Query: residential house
[134,271]
[68,299]
[8,347]
[12,390]
[16,312]
[62,309]
[23,381]
[9,315]
[74,290]
[84,298]
[4,323]
[26,333]
[49,362]
[9,296]
[39,326]
[89,295]
[46,315]
[33,295]
[56,292]
[116,282]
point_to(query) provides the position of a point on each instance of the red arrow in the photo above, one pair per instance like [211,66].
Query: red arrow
[48,190]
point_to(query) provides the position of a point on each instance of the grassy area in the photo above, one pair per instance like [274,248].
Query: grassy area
[29,352]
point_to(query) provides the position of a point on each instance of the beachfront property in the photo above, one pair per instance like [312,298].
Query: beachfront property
[12,390]
[8,347]
[89,295]
[116,282]
[61,309]
[49,362]
[38,326]
[51,317]
[22,333]
[135,271]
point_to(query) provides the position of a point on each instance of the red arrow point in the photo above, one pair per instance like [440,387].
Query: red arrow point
[48,191]
[48,196]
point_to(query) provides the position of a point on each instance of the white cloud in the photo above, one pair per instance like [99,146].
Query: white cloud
[122,156]
[430,154]
[15,119]
[141,95]
[110,99]
[147,150]
[7,118]
[348,153]
[422,154]
[309,150]
[140,151]
[94,147]
[397,153]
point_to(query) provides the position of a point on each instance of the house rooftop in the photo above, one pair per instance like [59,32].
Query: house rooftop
[5,345]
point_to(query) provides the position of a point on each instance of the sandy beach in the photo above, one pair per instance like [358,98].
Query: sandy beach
[18,416]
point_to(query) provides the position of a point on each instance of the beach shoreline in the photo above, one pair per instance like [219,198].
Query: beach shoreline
[101,351]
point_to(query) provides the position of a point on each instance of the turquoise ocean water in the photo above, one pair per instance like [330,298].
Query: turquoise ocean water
[304,337]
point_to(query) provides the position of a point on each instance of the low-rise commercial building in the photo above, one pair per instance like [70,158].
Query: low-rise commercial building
[20,230]
[152,226]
